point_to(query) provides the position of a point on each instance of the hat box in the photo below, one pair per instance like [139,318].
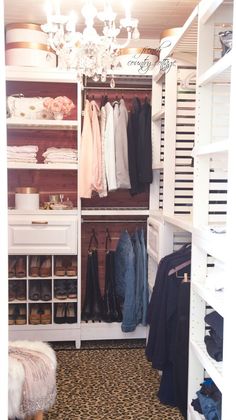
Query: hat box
[26,198]
[26,45]
[167,40]
[138,61]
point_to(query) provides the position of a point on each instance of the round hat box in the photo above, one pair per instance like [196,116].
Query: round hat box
[167,40]
[26,198]
[140,61]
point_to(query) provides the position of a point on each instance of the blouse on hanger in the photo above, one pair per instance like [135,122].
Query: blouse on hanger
[97,149]
[121,144]
[110,161]
[86,155]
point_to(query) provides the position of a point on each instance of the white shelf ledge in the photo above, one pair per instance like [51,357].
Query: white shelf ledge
[213,298]
[45,166]
[15,212]
[40,74]
[213,243]
[184,221]
[219,72]
[28,124]
[160,114]
[207,9]
[212,148]
[213,368]
[105,331]
[117,212]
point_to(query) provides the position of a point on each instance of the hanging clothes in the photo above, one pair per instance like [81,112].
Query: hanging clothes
[103,192]
[145,145]
[121,144]
[86,155]
[145,293]
[97,149]
[110,162]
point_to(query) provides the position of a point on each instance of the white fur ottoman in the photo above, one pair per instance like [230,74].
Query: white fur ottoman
[31,379]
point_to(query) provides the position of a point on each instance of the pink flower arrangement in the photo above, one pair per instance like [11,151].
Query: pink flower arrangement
[61,104]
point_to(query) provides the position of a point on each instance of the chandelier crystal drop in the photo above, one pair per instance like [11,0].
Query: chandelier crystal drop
[89,53]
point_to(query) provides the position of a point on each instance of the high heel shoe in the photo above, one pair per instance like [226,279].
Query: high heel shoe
[21,315]
[46,268]
[11,314]
[46,314]
[60,313]
[71,313]
[21,290]
[11,267]
[12,290]
[34,266]
[20,267]
[34,317]
[59,267]
[71,269]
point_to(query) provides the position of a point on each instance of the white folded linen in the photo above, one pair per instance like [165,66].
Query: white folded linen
[23,149]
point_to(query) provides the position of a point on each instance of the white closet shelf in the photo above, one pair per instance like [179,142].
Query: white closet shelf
[21,123]
[194,415]
[213,368]
[211,148]
[213,298]
[45,166]
[115,212]
[158,115]
[43,327]
[102,330]
[183,221]
[212,243]
[40,74]
[207,9]
[219,72]
[16,212]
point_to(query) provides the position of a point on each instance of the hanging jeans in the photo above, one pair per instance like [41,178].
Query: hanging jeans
[139,277]
[125,281]
[111,307]
[145,296]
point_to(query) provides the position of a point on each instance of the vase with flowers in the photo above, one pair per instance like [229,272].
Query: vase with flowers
[59,107]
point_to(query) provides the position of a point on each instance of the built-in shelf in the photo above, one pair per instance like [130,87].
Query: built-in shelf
[211,148]
[23,123]
[40,74]
[182,221]
[214,298]
[158,116]
[219,72]
[212,243]
[15,212]
[213,368]
[207,10]
[115,212]
[45,166]
[92,330]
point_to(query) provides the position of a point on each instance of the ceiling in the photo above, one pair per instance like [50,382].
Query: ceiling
[154,15]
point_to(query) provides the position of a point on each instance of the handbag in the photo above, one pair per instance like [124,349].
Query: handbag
[19,106]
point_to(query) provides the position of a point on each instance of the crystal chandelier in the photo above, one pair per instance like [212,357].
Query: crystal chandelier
[87,52]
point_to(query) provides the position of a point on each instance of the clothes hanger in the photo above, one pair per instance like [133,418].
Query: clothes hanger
[178,268]
[108,241]
[93,237]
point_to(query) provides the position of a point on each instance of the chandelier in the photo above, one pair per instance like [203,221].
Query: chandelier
[89,53]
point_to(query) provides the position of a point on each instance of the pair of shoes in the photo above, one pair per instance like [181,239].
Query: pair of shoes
[65,313]
[40,290]
[17,267]
[65,289]
[17,315]
[40,266]
[65,266]
[17,290]
[40,314]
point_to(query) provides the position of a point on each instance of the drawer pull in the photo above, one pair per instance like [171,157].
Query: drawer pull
[39,222]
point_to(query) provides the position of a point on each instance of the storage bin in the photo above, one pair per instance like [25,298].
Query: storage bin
[26,45]
[26,198]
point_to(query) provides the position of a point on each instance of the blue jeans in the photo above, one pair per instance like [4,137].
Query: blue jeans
[125,281]
[145,296]
[210,408]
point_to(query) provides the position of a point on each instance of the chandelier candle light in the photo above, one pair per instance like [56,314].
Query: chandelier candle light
[87,52]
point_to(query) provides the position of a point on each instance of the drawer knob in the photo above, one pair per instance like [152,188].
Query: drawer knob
[39,222]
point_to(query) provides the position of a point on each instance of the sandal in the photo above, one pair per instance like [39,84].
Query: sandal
[71,313]
[71,269]
[12,290]
[60,290]
[21,290]
[21,315]
[34,317]
[46,290]
[34,290]
[72,289]
[11,267]
[20,267]
[46,314]
[59,267]
[46,268]
[34,266]
[60,313]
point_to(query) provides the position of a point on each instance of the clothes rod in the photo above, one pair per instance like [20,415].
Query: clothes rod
[113,221]
[117,88]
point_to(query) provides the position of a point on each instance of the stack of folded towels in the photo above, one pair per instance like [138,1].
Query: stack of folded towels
[25,154]
[60,155]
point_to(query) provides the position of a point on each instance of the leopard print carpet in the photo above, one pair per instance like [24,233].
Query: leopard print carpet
[107,384]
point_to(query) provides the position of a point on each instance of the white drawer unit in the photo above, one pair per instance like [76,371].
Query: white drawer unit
[37,234]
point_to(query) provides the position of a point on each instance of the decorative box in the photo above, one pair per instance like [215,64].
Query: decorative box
[26,45]
[29,108]
[138,61]
[26,198]
[167,40]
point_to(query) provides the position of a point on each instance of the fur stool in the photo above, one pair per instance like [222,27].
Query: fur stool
[31,379]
